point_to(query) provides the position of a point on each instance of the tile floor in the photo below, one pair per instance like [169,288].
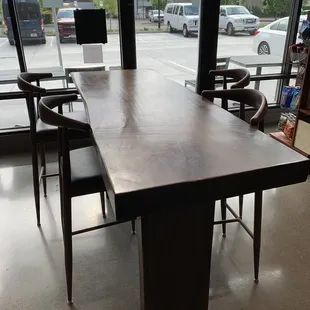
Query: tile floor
[106,274]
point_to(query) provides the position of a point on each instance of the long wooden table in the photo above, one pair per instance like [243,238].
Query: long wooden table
[166,156]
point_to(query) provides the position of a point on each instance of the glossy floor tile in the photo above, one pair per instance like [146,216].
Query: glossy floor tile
[106,273]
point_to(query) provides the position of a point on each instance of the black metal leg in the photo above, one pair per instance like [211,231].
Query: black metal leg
[223,211]
[36,184]
[257,231]
[67,230]
[43,164]
[102,197]
[241,206]
[133,226]
[61,202]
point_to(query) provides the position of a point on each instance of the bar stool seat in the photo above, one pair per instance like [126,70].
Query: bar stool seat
[86,175]
[43,129]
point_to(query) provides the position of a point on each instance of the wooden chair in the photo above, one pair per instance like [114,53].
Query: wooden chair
[240,77]
[40,133]
[79,173]
[257,100]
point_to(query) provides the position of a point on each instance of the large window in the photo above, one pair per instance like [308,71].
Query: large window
[43,53]
[254,42]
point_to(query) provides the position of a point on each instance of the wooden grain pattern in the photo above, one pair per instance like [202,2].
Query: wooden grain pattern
[159,141]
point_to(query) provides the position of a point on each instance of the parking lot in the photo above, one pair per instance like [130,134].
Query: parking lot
[171,55]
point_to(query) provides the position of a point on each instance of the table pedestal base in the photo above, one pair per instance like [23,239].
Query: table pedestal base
[175,257]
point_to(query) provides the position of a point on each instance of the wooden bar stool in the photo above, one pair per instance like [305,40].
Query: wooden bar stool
[41,133]
[258,101]
[79,173]
[241,79]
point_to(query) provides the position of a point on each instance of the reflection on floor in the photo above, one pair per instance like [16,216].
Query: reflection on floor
[106,274]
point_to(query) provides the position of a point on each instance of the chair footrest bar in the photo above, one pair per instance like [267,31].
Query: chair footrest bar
[226,221]
[50,175]
[81,231]
[246,228]
[41,175]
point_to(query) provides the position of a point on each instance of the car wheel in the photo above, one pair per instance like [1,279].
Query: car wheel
[61,40]
[230,29]
[263,49]
[252,32]
[185,31]
[43,41]
[11,42]
[170,29]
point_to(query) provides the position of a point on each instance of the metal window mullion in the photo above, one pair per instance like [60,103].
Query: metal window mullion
[292,31]
[17,36]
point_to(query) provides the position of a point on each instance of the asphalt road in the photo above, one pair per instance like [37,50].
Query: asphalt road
[171,55]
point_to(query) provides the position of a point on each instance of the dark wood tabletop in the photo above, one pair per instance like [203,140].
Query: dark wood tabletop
[166,156]
[159,140]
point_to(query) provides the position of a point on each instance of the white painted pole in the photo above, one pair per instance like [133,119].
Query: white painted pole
[57,40]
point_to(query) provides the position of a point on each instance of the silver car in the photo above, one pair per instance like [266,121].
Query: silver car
[155,15]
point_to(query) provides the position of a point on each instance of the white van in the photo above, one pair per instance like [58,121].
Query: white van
[182,16]
[235,18]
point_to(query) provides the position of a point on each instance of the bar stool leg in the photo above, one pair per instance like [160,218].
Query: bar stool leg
[223,211]
[257,231]
[43,164]
[102,197]
[240,206]
[36,184]
[133,226]
[68,244]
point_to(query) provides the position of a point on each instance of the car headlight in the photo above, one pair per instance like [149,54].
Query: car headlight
[239,21]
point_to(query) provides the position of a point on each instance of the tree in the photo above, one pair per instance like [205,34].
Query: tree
[109,5]
[233,2]
[162,4]
[277,8]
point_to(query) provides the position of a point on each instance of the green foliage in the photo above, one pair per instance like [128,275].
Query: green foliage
[233,2]
[158,4]
[109,5]
[47,16]
[277,8]
[258,11]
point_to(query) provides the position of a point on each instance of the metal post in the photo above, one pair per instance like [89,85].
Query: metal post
[17,37]
[57,36]
[208,37]
[158,13]
[127,34]
[293,26]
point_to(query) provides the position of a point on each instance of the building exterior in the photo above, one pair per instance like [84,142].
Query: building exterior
[142,8]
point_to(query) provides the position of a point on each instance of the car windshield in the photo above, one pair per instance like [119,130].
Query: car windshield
[27,11]
[237,10]
[156,12]
[191,10]
[65,14]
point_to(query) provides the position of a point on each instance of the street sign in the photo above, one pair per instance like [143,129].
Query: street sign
[53,3]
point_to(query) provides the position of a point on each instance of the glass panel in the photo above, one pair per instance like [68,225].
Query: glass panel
[249,40]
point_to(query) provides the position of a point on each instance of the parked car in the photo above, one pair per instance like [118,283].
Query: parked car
[182,16]
[154,16]
[30,21]
[236,18]
[271,38]
[66,24]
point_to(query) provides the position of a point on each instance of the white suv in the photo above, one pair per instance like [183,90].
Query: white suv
[182,16]
[236,18]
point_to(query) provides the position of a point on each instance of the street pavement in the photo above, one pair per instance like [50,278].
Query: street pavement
[172,55]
